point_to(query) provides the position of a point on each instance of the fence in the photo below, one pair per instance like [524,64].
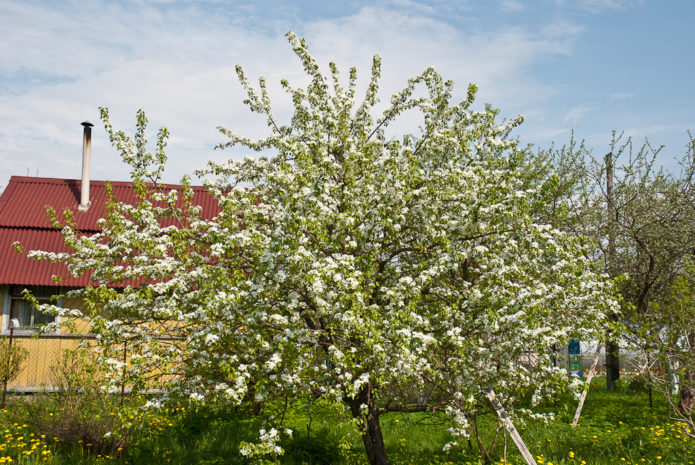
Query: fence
[44,352]
[631,362]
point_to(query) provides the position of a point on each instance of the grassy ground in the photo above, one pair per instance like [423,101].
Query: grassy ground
[614,428]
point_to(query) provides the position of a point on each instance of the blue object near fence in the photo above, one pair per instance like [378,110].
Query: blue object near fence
[575,358]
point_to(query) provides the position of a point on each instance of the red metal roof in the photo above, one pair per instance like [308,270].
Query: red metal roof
[16,268]
[24,201]
[23,218]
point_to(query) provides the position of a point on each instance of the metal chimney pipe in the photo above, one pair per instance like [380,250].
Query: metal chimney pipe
[86,165]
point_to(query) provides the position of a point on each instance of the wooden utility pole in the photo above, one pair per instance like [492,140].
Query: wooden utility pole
[612,354]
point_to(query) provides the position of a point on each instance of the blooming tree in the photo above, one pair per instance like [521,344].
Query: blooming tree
[644,227]
[671,340]
[387,273]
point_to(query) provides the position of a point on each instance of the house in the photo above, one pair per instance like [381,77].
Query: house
[23,219]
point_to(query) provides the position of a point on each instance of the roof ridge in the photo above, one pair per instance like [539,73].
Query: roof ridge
[45,228]
[41,180]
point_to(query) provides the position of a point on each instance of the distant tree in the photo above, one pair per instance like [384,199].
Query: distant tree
[671,339]
[642,220]
[388,274]
[560,175]
[666,325]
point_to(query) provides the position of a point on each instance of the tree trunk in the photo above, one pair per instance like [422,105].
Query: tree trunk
[612,366]
[369,426]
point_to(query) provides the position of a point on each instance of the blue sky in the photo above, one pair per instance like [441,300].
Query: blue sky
[588,65]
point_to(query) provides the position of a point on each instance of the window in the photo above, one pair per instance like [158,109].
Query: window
[21,309]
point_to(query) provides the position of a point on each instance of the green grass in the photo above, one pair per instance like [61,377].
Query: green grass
[614,429]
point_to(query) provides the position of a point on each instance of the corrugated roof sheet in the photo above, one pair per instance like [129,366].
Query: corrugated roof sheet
[24,201]
[23,218]
[16,268]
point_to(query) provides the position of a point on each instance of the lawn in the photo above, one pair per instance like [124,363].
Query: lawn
[616,428]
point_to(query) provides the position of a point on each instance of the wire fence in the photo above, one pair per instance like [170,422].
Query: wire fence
[44,353]
[632,362]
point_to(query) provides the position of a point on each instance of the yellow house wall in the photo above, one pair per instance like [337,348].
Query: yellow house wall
[45,350]
[78,325]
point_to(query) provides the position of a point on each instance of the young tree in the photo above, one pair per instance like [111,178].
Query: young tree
[671,338]
[643,222]
[664,324]
[11,359]
[389,274]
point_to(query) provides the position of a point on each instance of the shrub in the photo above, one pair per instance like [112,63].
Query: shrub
[11,359]
[321,448]
[638,383]
[78,412]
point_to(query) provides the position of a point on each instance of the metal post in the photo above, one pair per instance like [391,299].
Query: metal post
[86,166]
[13,322]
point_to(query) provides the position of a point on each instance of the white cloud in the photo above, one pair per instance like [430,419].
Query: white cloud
[512,5]
[418,7]
[562,34]
[599,6]
[640,132]
[575,114]
[177,62]
[549,133]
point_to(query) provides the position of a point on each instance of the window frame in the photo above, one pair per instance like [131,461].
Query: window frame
[43,294]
